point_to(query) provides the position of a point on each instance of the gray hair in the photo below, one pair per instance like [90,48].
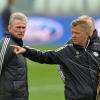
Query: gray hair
[83,24]
[17,15]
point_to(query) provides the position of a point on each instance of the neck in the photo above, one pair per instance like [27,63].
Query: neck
[86,44]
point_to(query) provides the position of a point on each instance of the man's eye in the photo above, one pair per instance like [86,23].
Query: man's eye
[20,27]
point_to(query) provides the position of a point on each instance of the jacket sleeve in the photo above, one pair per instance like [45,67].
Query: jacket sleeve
[48,57]
[3,48]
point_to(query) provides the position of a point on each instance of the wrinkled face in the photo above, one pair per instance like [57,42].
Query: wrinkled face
[17,28]
[79,37]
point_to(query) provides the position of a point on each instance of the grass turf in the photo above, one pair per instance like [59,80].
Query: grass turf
[44,80]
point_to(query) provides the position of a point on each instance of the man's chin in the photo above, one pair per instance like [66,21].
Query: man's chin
[75,43]
[19,37]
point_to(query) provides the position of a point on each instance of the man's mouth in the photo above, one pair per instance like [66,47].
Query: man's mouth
[20,34]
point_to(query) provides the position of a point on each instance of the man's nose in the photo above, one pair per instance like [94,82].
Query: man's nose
[73,35]
[21,29]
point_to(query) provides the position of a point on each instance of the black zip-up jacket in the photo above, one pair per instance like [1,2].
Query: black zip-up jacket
[93,47]
[13,71]
[80,68]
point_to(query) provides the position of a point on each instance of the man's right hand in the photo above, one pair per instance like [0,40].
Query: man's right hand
[18,49]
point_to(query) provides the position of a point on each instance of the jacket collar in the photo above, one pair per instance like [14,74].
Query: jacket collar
[81,47]
[16,40]
[93,37]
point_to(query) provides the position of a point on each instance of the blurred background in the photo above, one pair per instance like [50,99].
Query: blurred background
[48,28]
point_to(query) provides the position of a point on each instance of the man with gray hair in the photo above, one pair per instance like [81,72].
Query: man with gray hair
[13,68]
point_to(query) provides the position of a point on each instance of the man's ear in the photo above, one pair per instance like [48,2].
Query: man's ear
[9,27]
[89,37]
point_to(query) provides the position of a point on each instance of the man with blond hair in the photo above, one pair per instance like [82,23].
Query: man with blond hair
[93,38]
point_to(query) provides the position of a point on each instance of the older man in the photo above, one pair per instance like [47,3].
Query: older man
[13,69]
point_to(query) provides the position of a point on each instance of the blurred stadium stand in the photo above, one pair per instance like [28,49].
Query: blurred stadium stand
[58,7]
[45,16]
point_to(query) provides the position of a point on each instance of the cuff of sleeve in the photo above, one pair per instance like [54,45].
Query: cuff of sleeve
[27,51]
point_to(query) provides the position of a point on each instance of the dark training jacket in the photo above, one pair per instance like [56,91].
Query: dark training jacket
[80,68]
[13,71]
[93,47]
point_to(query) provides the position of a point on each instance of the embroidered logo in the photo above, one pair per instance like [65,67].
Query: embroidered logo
[95,54]
[77,54]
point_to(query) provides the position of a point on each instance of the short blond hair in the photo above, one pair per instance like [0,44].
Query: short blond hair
[90,21]
[83,24]
[17,15]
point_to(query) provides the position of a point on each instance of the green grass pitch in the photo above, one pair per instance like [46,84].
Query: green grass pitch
[44,81]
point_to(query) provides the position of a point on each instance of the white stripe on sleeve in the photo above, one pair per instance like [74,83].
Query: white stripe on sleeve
[3,51]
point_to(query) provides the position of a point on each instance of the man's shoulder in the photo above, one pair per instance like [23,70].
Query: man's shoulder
[5,41]
[95,46]
[4,38]
[68,45]
[69,41]
[64,48]
[96,41]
